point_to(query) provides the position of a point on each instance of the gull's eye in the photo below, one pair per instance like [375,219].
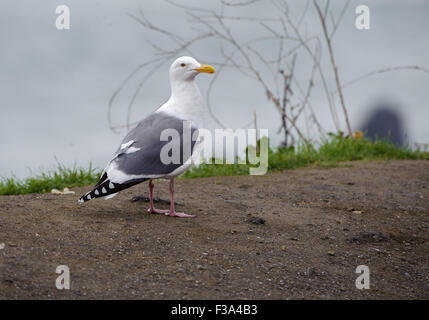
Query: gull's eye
[183,65]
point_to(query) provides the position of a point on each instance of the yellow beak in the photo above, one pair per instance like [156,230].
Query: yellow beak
[206,69]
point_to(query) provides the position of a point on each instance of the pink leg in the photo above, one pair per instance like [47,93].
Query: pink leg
[152,208]
[172,212]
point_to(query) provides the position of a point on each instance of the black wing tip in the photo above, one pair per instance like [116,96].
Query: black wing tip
[107,188]
[84,198]
[100,190]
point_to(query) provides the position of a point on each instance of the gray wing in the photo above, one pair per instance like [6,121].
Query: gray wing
[139,153]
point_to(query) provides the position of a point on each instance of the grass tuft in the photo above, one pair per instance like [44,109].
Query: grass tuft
[332,151]
[58,178]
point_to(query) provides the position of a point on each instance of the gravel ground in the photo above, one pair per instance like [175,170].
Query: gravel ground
[297,234]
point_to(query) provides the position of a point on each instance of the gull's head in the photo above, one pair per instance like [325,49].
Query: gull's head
[187,68]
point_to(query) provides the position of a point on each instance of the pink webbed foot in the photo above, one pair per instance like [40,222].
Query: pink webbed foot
[153,210]
[179,214]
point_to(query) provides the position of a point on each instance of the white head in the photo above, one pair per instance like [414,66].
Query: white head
[187,68]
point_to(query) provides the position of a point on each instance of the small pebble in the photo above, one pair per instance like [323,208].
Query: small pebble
[256,220]
[310,271]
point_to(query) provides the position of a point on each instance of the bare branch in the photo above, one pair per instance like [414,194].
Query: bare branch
[145,23]
[190,8]
[239,4]
[383,70]
[321,74]
[340,18]
[256,19]
[138,89]
[304,12]
[334,67]
[121,87]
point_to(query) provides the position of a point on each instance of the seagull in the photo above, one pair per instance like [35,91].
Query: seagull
[142,154]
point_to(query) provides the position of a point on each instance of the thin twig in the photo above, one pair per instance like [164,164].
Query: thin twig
[334,67]
[380,71]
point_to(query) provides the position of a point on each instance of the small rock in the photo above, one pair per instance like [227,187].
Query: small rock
[68,191]
[408,276]
[368,236]
[2,245]
[331,252]
[310,271]
[200,267]
[65,191]
[256,220]
[283,248]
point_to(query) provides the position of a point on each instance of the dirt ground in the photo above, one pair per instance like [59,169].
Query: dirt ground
[308,231]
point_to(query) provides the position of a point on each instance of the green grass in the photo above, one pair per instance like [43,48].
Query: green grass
[330,153]
[58,178]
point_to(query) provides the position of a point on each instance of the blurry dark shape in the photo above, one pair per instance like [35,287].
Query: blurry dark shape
[368,237]
[385,124]
[155,200]
[256,220]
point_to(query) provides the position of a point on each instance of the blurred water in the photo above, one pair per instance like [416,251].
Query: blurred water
[55,85]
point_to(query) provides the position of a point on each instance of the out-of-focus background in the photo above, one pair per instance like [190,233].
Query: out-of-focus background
[55,85]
